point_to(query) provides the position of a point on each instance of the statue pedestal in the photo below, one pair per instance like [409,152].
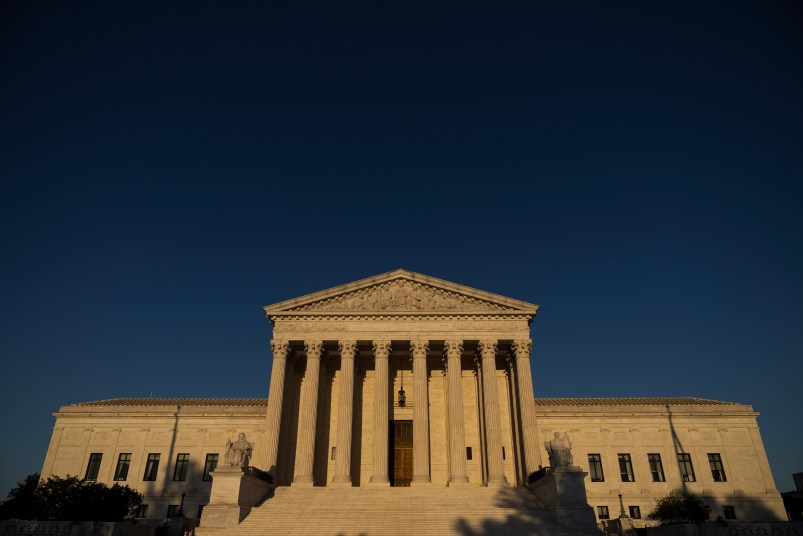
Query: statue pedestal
[234,493]
[562,492]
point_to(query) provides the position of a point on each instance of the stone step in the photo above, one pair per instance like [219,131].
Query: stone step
[380,511]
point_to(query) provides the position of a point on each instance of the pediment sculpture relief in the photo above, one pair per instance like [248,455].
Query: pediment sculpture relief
[399,295]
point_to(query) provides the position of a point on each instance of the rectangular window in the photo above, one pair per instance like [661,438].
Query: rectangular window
[333,456]
[602,512]
[503,453]
[717,469]
[151,468]
[686,468]
[595,468]
[626,468]
[142,511]
[729,511]
[656,467]
[93,467]
[182,463]
[469,454]
[123,463]
[635,512]
[209,466]
[172,510]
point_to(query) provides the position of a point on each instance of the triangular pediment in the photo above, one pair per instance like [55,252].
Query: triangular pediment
[400,292]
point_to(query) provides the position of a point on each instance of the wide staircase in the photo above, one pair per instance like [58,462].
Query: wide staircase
[378,511]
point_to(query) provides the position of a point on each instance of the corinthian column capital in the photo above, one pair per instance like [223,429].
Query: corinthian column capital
[522,347]
[453,348]
[487,347]
[381,349]
[347,348]
[313,348]
[279,348]
[419,349]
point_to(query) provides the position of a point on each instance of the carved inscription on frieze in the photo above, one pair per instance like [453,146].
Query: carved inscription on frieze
[411,324]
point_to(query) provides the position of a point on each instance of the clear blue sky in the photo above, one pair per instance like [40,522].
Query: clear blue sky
[166,169]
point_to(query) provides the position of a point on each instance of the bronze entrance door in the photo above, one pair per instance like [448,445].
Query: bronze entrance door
[401,453]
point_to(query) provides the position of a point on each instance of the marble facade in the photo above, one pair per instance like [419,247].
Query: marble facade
[462,357]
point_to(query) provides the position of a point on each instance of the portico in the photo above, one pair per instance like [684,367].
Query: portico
[341,356]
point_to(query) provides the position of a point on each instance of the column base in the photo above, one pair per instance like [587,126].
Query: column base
[457,481]
[340,481]
[378,481]
[497,480]
[303,482]
[421,481]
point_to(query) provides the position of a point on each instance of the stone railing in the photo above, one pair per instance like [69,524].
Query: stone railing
[70,528]
[729,529]
[765,529]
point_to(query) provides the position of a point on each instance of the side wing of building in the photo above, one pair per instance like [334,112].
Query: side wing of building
[160,447]
[642,448]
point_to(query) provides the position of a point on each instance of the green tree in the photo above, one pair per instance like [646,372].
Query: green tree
[680,508]
[69,499]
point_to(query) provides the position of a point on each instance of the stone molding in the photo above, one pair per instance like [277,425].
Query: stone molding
[400,291]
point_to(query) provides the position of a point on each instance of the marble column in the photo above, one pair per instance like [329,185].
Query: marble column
[454,390]
[305,450]
[420,413]
[379,474]
[532,454]
[345,411]
[275,399]
[493,426]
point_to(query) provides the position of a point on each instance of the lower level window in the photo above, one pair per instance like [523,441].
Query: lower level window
[172,510]
[729,511]
[602,512]
[142,511]
[635,512]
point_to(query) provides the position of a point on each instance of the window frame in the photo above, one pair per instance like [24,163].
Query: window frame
[728,511]
[634,511]
[141,511]
[606,515]
[684,461]
[93,466]
[717,467]
[172,510]
[626,467]
[594,465]
[210,465]
[181,468]
[656,467]
[152,467]
[123,467]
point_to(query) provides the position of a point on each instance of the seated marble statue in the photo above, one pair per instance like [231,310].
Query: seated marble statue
[238,453]
[559,449]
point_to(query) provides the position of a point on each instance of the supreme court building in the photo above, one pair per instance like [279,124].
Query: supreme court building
[404,380]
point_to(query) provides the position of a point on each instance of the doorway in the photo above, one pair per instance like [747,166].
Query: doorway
[401,453]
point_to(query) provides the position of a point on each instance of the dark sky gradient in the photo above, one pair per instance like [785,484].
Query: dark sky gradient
[167,169]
